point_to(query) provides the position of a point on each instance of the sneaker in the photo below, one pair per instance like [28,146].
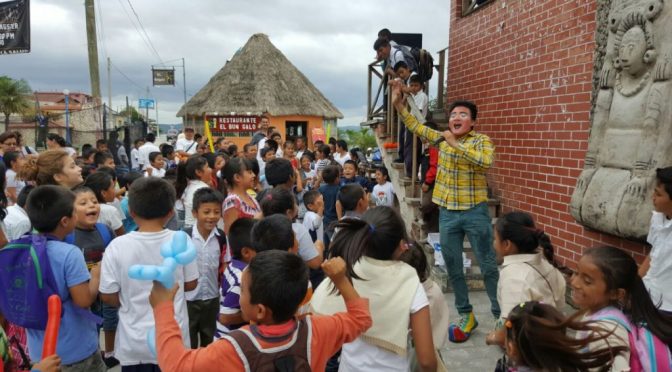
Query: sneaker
[460,332]
[110,362]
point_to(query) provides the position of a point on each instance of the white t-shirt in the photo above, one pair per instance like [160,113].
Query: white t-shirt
[144,151]
[422,102]
[16,222]
[13,182]
[110,216]
[307,249]
[260,145]
[359,355]
[136,317]
[658,280]
[383,195]
[313,221]
[185,145]
[341,159]
[160,173]
[188,200]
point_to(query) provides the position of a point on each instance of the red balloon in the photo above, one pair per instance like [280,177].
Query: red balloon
[53,325]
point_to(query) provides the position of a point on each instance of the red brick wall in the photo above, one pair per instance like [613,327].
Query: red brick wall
[528,65]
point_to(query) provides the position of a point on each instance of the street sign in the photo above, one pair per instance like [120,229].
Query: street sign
[15,27]
[146,103]
[163,76]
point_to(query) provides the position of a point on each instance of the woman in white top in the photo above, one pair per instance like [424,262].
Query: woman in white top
[371,247]
[192,175]
[527,274]
[341,155]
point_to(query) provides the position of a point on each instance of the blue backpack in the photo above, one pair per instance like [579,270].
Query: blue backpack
[26,281]
[102,230]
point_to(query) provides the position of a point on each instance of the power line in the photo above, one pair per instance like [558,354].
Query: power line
[102,30]
[127,78]
[136,27]
[143,29]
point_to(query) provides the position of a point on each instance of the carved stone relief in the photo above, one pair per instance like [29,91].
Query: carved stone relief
[631,130]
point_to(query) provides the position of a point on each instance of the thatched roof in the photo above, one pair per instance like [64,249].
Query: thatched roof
[259,78]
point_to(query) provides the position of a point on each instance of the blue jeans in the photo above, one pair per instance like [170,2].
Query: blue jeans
[476,224]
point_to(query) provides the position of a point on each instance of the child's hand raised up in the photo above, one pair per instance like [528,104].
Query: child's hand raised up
[335,268]
[161,294]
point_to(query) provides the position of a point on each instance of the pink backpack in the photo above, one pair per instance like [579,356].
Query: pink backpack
[647,352]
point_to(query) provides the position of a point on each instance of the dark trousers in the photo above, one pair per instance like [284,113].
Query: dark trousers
[406,150]
[141,368]
[202,321]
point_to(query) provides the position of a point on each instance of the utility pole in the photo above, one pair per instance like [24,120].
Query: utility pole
[93,47]
[109,83]
[184,86]
[147,109]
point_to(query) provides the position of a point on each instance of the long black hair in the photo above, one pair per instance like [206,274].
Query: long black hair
[620,271]
[235,166]
[377,235]
[519,229]
[187,171]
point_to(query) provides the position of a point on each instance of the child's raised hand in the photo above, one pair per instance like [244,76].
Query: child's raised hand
[334,268]
[161,294]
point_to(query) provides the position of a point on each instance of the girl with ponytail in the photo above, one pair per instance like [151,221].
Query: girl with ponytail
[371,247]
[528,269]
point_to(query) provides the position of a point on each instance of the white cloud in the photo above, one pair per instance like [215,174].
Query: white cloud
[330,42]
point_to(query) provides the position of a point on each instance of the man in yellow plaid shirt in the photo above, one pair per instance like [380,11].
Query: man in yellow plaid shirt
[461,192]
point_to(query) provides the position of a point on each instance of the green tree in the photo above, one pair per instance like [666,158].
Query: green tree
[14,97]
[362,138]
[135,115]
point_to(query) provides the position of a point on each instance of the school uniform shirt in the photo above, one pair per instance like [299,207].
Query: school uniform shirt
[421,102]
[230,295]
[110,216]
[187,146]
[143,154]
[11,181]
[160,173]
[529,277]
[16,222]
[313,223]
[207,250]
[135,156]
[618,337]
[383,194]
[188,200]
[658,280]
[77,336]
[341,159]
[307,249]
[135,314]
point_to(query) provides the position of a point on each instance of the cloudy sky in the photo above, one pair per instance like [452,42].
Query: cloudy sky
[329,41]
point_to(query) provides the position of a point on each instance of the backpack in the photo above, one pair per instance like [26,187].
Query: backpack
[421,60]
[291,357]
[647,352]
[27,281]
[103,230]
[221,239]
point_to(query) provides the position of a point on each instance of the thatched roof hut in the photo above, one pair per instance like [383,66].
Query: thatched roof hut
[259,78]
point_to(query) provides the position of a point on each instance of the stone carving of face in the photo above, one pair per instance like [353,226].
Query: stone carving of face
[631,51]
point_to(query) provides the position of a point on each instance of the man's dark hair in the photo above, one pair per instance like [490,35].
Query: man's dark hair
[101,142]
[265,151]
[415,79]
[385,33]
[240,236]
[47,205]
[380,42]
[138,140]
[150,137]
[468,104]
[330,174]
[349,195]
[278,280]
[399,65]
[101,157]
[232,149]
[272,144]
[273,232]
[277,200]
[342,144]
[247,146]
[23,195]
[664,177]
[151,198]
[278,171]
[207,195]
[310,197]
[351,162]
[127,179]
[153,155]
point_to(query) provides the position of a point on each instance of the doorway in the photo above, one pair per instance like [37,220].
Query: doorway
[294,129]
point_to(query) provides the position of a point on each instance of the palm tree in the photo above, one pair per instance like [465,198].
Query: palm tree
[13,97]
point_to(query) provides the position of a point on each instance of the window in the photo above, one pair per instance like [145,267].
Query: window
[470,6]
[295,129]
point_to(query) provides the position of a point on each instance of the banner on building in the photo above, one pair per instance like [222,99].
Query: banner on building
[15,27]
[146,103]
[234,123]
[163,76]
[318,135]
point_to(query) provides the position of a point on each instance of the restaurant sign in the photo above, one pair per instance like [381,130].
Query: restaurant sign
[234,123]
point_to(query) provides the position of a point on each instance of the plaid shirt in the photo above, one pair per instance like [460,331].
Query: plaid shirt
[460,181]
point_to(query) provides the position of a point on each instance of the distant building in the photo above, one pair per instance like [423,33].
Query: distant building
[260,79]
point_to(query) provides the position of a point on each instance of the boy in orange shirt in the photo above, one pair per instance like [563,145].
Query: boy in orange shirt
[273,286]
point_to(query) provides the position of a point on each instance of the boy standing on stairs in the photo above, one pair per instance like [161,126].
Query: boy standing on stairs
[461,192]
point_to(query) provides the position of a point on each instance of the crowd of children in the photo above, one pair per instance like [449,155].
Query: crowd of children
[282,262]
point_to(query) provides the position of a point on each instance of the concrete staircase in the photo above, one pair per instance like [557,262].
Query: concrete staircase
[409,200]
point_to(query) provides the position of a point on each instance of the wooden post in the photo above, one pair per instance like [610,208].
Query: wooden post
[93,47]
[440,92]
[369,108]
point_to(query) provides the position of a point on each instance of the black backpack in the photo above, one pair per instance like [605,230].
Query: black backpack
[425,63]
